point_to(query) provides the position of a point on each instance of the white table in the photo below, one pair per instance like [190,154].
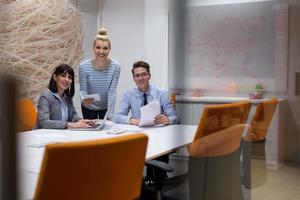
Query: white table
[162,140]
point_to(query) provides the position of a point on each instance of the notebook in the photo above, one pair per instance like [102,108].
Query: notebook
[100,124]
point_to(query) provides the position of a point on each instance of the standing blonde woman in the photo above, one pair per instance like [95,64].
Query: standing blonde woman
[99,76]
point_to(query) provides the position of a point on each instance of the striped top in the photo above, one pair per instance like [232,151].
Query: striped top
[102,82]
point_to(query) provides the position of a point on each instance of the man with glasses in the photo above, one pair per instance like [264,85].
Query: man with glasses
[134,99]
[141,95]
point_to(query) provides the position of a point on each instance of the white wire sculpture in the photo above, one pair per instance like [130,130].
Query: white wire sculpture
[35,37]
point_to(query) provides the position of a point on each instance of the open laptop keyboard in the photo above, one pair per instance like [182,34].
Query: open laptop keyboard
[98,127]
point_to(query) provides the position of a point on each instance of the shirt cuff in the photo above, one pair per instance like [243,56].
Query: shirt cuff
[173,120]
[128,119]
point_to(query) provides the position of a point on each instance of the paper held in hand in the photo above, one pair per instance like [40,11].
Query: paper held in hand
[149,112]
[96,97]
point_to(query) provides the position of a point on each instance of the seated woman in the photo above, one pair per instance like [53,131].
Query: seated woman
[55,105]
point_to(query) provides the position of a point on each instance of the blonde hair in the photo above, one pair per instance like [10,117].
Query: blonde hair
[102,35]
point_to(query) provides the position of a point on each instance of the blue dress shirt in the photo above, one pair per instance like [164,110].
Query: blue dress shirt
[134,99]
[63,106]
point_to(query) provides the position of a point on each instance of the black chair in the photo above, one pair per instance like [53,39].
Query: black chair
[156,173]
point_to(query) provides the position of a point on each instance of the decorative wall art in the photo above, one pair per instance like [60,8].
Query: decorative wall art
[35,37]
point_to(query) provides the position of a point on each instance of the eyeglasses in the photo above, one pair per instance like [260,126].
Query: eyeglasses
[142,75]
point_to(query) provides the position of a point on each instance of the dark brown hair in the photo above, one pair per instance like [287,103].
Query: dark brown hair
[140,64]
[62,69]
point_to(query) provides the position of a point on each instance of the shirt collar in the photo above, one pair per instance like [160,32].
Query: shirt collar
[142,93]
[57,96]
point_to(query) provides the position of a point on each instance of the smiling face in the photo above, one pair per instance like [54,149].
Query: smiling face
[141,78]
[101,49]
[63,82]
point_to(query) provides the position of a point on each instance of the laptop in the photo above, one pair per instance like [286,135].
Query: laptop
[100,124]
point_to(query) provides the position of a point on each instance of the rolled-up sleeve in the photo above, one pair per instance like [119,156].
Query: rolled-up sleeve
[122,115]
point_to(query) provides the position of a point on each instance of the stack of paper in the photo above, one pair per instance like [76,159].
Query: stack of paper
[149,112]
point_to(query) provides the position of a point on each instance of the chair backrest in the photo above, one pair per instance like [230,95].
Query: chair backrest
[214,165]
[99,169]
[219,143]
[262,118]
[221,116]
[26,115]
[173,98]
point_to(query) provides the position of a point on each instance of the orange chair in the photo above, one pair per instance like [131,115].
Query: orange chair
[216,118]
[219,143]
[254,144]
[262,118]
[99,169]
[26,115]
[221,116]
[173,98]
[214,160]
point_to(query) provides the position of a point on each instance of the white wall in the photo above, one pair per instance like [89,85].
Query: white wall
[138,31]
[156,38]
[89,11]
[125,21]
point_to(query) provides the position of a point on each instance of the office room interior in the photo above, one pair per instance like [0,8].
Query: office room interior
[160,32]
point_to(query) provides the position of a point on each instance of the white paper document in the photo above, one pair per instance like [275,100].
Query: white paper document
[127,128]
[149,112]
[114,131]
[50,135]
[96,97]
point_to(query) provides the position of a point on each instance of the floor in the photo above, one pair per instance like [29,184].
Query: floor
[267,184]
[280,184]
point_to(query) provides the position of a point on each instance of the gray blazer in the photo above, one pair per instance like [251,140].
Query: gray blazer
[49,111]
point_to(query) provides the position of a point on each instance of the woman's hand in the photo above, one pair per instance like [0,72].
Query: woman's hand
[88,102]
[161,119]
[82,123]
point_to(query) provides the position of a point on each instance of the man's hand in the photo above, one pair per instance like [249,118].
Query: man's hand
[161,119]
[134,121]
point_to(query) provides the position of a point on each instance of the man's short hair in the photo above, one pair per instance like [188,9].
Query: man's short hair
[140,64]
